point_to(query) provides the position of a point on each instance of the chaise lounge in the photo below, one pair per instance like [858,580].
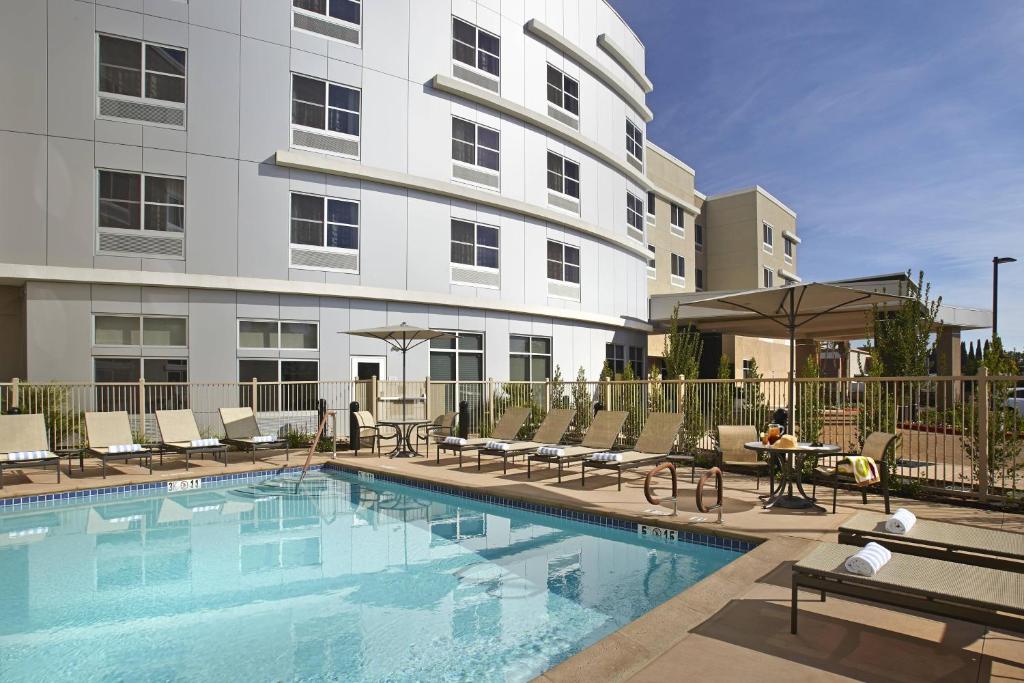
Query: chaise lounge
[179,433]
[550,433]
[110,438]
[652,446]
[23,443]
[508,426]
[243,432]
[601,435]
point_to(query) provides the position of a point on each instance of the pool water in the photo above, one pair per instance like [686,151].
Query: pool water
[342,580]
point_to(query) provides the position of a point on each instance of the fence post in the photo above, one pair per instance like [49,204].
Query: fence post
[142,408]
[490,402]
[254,398]
[547,397]
[608,395]
[680,393]
[982,426]
[426,398]
[15,403]
[373,397]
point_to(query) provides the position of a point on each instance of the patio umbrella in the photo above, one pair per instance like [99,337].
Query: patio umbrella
[815,309]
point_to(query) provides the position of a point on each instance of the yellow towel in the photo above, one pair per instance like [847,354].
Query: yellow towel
[863,469]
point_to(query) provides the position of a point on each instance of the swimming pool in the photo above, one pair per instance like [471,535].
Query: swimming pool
[347,579]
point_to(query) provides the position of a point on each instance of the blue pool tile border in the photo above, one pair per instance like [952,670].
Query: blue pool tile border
[697,538]
[84,495]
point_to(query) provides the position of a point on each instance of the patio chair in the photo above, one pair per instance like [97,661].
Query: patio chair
[652,446]
[733,456]
[23,443]
[243,432]
[876,447]
[179,433]
[980,595]
[509,424]
[110,438]
[442,426]
[367,428]
[601,435]
[940,540]
[550,432]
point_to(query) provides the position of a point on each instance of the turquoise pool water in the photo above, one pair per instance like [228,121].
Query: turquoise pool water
[344,580]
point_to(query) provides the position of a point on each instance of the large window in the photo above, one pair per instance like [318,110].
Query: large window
[563,91]
[474,244]
[563,262]
[275,334]
[161,372]
[289,384]
[324,222]
[634,141]
[635,214]
[698,237]
[475,144]
[134,201]
[615,356]
[768,237]
[789,248]
[343,10]
[529,358]
[678,269]
[134,330]
[325,106]
[652,261]
[476,47]
[767,278]
[651,205]
[677,223]
[698,279]
[563,175]
[131,68]
[457,357]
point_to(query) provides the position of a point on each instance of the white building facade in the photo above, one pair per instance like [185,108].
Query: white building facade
[216,190]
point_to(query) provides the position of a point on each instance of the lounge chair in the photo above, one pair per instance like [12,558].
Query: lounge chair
[732,455]
[367,428]
[442,426]
[652,446]
[941,540]
[600,436]
[243,432]
[980,595]
[876,447]
[110,438]
[550,432]
[180,434]
[509,424]
[23,443]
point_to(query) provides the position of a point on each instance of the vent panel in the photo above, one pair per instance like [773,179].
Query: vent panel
[635,163]
[326,260]
[635,234]
[141,244]
[563,202]
[142,111]
[475,176]
[325,28]
[325,143]
[564,291]
[472,276]
[476,78]
[562,116]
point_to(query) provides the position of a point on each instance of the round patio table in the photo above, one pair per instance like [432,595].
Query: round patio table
[789,463]
[403,442]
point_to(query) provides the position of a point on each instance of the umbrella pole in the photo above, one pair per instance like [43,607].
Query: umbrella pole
[791,399]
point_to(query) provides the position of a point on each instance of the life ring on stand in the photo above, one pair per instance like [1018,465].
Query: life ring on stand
[648,494]
[717,474]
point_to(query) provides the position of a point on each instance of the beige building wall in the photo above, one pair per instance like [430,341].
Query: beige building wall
[677,178]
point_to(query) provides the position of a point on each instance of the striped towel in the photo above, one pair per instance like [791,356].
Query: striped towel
[265,438]
[863,469]
[124,448]
[551,450]
[202,443]
[901,522]
[606,457]
[498,446]
[868,560]
[454,441]
[30,455]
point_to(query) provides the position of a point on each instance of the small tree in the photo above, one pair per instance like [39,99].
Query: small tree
[900,343]
[725,394]
[755,404]
[1005,424]
[582,402]
[655,392]
[558,398]
[632,403]
[811,403]
[683,349]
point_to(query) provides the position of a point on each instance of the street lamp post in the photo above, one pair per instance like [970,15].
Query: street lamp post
[996,262]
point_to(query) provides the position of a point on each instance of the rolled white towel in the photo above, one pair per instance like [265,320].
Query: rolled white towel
[29,455]
[868,560]
[498,446]
[264,438]
[203,443]
[554,451]
[454,441]
[607,457]
[901,521]
[124,448]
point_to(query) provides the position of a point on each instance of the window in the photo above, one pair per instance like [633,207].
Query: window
[563,175]
[650,204]
[698,276]
[529,358]
[788,246]
[324,222]
[563,91]
[133,201]
[159,371]
[767,237]
[457,357]
[615,356]
[563,262]
[475,144]
[678,269]
[474,244]
[135,69]
[325,106]
[273,334]
[698,237]
[635,214]
[476,47]
[678,222]
[768,277]
[289,384]
[123,330]
[651,262]
[634,141]
[748,368]
[344,10]
[636,359]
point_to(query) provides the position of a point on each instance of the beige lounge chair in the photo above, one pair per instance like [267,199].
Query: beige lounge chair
[367,428]
[941,540]
[107,429]
[652,446]
[242,431]
[601,436]
[877,446]
[442,426]
[550,433]
[178,430]
[980,595]
[509,424]
[23,443]
[732,455]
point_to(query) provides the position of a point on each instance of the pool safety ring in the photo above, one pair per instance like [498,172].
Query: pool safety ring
[717,474]
[648,494]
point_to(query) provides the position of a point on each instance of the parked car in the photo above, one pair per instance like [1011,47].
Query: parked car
[1016,400]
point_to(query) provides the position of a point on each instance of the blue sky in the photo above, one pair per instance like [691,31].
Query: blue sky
[895,130]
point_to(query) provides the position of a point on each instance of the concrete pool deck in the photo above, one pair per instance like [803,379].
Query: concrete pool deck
[733,625]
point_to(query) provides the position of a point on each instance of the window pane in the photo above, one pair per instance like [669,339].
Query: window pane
[519,368]
[160,87]
[260,370]
[464,130]
[540,368]
[554,251]
[488,137]
[487,159]
[346,10]
[308,208]
[117,369]
[164,332]
[298,335]
[165,60]
[540,345]
[554,77]
[165,218]
[572,255]
[344,98]
[342,122]
[123,186]
[445,342]
[442,366]
[488,42]
[554,95]
[166,370]
[463,53]
[471,367]
[572,188]
[463,31]
[339,211]
[471,342]
[462,231]
[165,190]
[487,63]
[518,344]
[120,52]
[572,274]
[487,236]
[464,152]
[310,115]
[257,334]
[120,66]
[342,236]
[117,331]
[119,214]
[462,253]
[487,257]
[554,270]
[308,233]
[318,6]
[571,87]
